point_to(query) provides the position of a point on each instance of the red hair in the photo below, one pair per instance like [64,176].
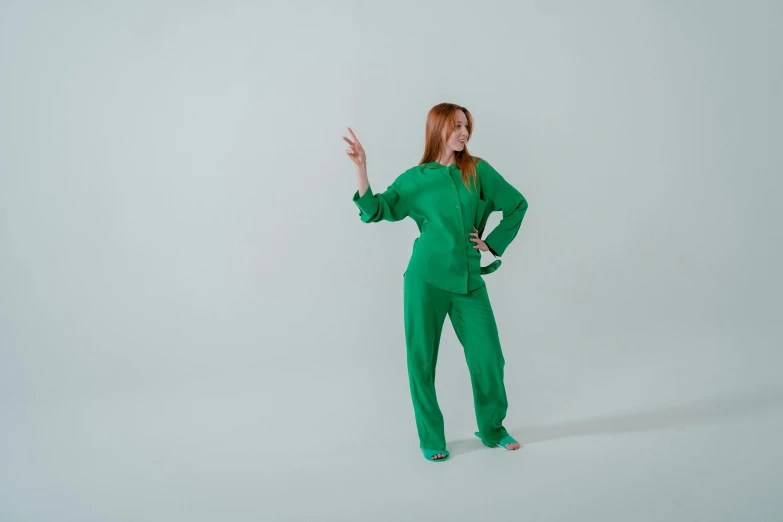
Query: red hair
[444,117]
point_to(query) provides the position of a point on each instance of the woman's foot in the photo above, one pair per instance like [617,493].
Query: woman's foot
[436,455]
[510,443]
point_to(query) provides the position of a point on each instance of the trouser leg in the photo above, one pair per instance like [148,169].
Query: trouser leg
[474,324]
[425,312]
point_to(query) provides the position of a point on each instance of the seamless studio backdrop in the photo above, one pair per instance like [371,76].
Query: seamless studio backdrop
[196,325]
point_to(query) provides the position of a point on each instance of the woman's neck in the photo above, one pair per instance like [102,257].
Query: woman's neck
[448,159]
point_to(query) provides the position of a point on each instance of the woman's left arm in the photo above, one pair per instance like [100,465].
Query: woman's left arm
[505,197]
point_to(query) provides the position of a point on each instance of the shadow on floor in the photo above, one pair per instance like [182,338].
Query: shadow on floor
[650,419]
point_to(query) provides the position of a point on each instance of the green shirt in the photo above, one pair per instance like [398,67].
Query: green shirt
[435,197]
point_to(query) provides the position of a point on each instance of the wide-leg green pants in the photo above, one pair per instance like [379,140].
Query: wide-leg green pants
[425,310]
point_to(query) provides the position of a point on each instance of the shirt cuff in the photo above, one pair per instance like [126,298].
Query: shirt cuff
[367,203]
[491,249]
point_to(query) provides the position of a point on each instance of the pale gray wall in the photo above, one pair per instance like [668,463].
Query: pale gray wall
[176,215]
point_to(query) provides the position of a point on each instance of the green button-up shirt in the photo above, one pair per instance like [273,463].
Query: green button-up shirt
[435,197]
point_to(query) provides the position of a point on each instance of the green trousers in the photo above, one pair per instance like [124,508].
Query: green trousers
[471,315]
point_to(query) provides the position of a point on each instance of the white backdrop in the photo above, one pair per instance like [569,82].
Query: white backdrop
[195,324]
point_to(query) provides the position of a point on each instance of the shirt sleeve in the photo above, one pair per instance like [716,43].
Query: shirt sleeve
[387,206]
[506,198]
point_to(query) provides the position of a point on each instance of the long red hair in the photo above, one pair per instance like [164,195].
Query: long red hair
[443,119]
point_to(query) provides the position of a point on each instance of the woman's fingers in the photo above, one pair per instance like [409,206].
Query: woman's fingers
[478,242]
[354,148]
[358,143]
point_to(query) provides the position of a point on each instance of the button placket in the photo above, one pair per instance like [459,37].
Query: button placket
[463,252]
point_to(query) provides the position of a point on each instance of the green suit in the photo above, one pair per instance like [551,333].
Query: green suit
[444,277]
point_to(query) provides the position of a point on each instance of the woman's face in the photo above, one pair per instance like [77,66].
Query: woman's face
[459,136]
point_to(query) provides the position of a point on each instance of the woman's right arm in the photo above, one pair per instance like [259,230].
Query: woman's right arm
[361,179]
[387,206]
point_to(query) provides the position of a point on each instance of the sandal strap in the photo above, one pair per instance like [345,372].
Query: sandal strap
[429,453]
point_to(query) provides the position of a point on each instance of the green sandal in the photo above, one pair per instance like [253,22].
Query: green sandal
[508,439]
[428,454]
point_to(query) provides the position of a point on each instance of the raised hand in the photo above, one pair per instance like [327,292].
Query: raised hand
[355,150]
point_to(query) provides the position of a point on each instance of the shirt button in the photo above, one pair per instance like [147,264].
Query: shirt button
[452,185]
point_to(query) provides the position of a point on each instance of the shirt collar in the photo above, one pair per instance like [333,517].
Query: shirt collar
[435,165]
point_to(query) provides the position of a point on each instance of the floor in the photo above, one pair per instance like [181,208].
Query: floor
[142,458]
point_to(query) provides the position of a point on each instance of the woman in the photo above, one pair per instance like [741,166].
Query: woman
[450,195]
